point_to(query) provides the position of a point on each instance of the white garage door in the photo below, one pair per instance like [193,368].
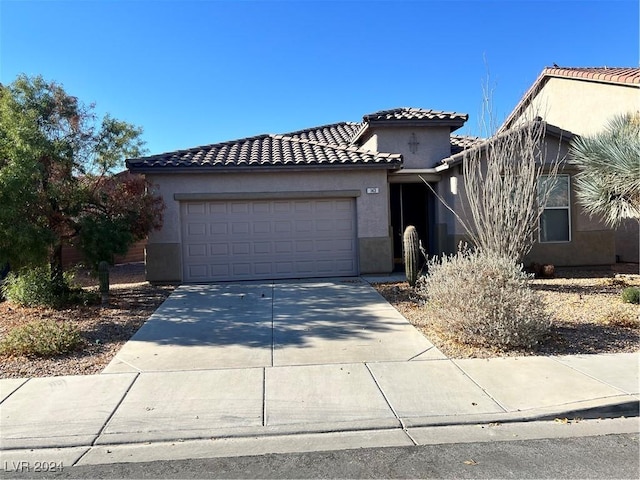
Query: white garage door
[265,239]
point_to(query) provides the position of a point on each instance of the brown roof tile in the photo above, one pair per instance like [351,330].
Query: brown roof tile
[265,151]
[462,142]
[623,75]
[334,144]
[339,134]
[406,113]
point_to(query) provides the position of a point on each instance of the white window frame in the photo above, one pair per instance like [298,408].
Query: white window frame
[567,208]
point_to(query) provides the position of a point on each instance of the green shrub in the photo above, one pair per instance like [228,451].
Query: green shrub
[483,299]
[631,295]
[41,338]
[34,287]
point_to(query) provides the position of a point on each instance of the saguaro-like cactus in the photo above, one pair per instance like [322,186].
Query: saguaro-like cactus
[411,249]
[103,278]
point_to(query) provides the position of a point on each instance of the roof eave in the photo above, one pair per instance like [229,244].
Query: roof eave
[160,170]
[453,123]
[453,160]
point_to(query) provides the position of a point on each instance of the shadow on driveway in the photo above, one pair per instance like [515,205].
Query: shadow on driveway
[340,319]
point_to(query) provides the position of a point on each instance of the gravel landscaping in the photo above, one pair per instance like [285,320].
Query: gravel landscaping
[589,317]
[104,329]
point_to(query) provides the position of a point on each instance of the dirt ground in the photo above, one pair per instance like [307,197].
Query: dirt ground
[583,302]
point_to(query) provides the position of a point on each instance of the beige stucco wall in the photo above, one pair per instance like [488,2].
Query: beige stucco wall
[433,144]
[628,241]
[580,106]
[372,210]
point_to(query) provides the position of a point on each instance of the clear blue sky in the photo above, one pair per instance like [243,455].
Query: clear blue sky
[198,72]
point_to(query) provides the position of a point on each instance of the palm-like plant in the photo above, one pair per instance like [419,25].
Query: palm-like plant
[608,184]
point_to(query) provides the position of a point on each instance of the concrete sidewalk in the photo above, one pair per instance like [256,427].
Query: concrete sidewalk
[286,402]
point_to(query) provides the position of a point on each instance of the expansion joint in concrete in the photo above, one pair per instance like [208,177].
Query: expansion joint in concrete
[484,390]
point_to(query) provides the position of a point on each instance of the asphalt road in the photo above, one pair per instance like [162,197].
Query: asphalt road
[609,456]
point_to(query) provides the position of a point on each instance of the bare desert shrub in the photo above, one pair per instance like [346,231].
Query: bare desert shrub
[483,299]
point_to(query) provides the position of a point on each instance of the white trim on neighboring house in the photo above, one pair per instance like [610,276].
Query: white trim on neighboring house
[567,208]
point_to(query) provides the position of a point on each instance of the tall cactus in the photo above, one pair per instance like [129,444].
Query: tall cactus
[411,249]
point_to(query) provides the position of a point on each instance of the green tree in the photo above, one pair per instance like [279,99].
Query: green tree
[608,184]
[57,161]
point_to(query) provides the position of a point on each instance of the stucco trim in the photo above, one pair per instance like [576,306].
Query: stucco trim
[187,197]
[415,175]
[158,170]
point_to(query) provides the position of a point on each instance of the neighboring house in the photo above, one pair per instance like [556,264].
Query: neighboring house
[330,201]
[582,101]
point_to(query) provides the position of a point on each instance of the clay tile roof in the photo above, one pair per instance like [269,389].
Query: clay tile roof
[630,75]
[265,151]
[339,134]
[462,142]
[405,113]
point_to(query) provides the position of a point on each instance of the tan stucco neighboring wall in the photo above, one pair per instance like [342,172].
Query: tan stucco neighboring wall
[372,210]
[581,106]
[585,248]
[628,241]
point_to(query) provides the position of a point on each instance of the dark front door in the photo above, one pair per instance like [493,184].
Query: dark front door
[411,204]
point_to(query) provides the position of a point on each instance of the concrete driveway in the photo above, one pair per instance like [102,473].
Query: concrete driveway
[265,324]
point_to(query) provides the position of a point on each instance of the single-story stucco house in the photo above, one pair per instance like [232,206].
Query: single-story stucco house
[331,200]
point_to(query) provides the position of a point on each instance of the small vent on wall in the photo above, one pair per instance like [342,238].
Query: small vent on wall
[413,143]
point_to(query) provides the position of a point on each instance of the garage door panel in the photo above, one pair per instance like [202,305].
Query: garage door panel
[284,247]
[218,228]
[343,205]
[304,226]
[261,227]
[345,266]
[197,229]
[304,246]
[220,271]
[219,249]
[240,240]
[265,268]
[197,250]
[282,226]
[240,208]
[260,248]
[198,271]
[241,269]
[243,248]
[196,208]
[302,206]
[261,207]
[241,228]
[345,225]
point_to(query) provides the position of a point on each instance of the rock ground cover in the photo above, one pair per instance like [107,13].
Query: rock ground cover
[104,329]
[589,317]
[588,314]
